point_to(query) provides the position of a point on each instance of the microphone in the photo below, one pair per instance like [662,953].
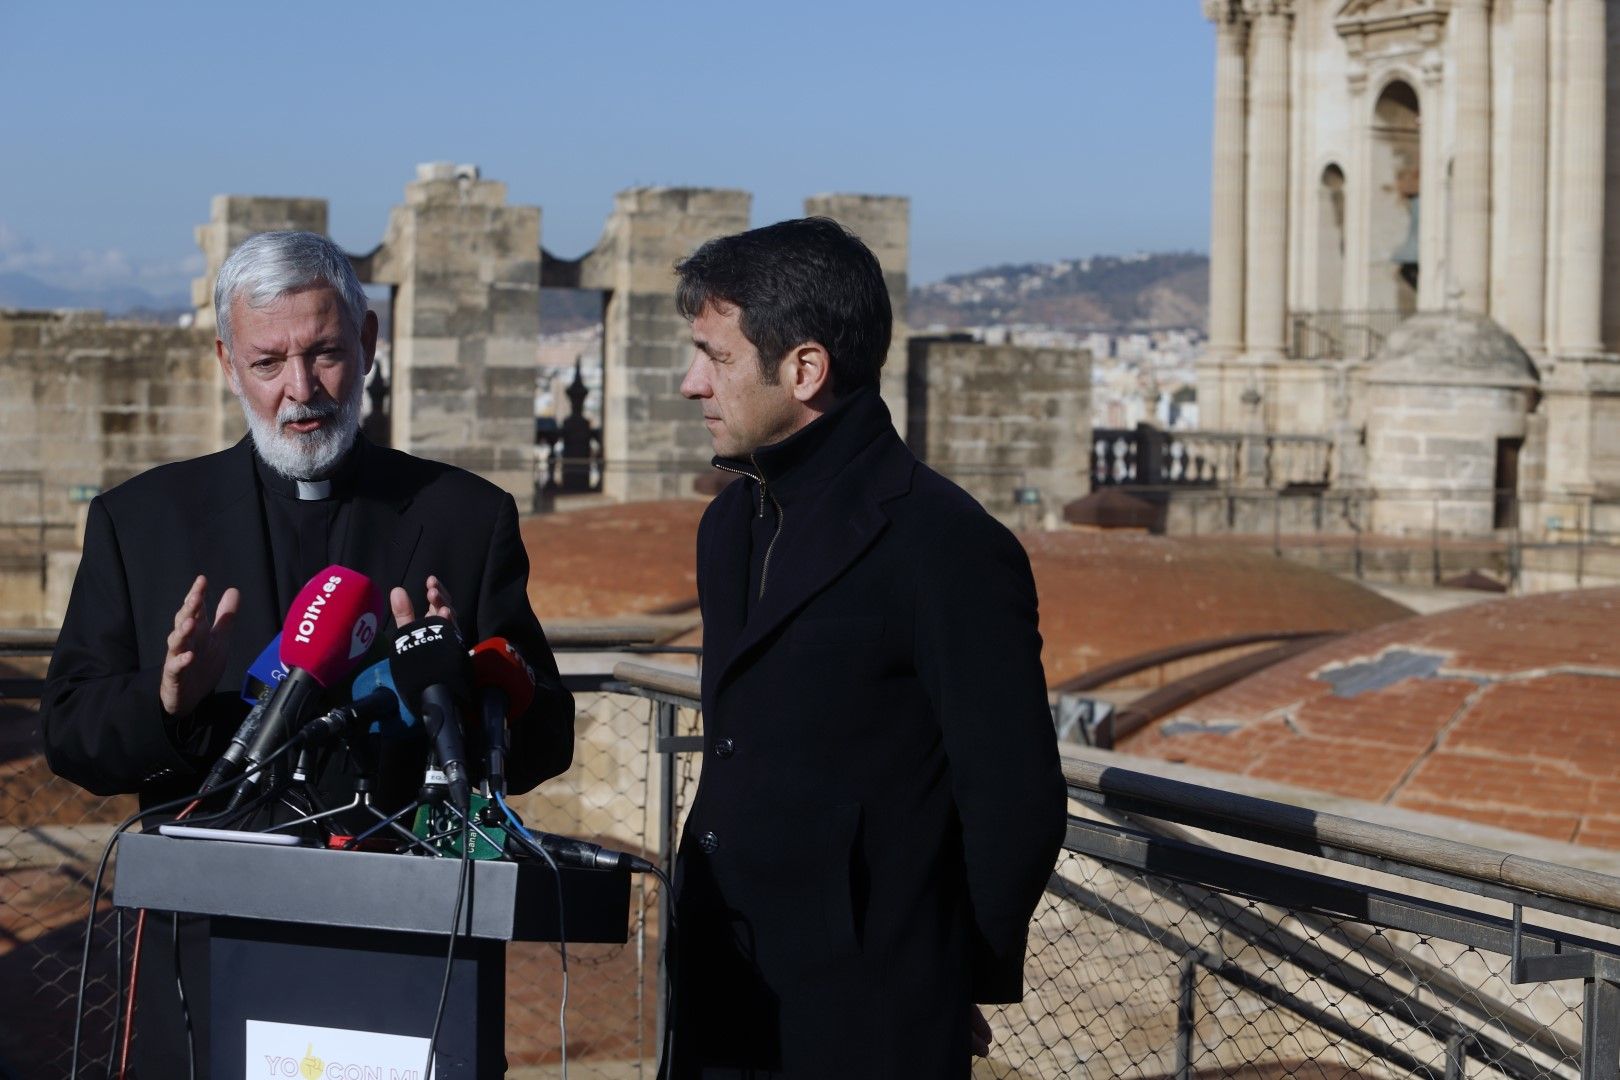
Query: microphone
[401,722]
[329,627]
[265,673]
[372,709]
[506,688]
[262,676]
[430,668]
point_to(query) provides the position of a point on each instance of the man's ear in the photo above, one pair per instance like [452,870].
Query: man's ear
[368,342]
[809,373]
[225,368]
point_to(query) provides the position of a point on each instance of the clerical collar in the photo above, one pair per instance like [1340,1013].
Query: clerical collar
[337,484]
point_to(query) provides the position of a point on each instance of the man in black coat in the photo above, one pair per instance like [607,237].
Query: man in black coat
[143,689]
[881,801]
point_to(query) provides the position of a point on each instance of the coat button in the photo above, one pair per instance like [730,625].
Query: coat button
[708,842]
[724,748]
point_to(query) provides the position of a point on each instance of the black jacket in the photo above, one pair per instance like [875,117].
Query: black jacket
[881,801]
[147,539]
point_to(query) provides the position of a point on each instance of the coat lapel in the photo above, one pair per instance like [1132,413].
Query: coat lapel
[379,527]
[234,552]
[821,538]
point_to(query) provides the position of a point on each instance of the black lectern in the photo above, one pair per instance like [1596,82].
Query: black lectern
[355,942]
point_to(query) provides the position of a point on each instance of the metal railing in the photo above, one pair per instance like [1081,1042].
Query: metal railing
[1186,931]
[1340,335]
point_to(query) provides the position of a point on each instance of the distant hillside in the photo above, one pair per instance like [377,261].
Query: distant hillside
[24,291]
[1133,292]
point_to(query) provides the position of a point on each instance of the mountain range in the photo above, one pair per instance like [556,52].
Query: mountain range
[19,290]
[1104,292]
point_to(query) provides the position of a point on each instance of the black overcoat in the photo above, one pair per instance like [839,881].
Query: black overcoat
[147,539]
[881,802]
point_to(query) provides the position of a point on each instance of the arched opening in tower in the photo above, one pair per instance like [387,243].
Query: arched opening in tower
[1395,179]
[1330,241]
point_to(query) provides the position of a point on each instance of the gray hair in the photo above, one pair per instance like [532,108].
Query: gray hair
[270,265]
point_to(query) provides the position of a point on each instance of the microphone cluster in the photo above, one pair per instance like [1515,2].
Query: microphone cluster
[423,690]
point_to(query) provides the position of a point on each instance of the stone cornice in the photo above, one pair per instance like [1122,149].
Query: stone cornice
[1258,9]
[1416,23]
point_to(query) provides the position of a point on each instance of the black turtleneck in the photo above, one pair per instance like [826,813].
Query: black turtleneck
[306,524]
[790,474]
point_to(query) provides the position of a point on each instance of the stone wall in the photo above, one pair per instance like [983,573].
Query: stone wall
[466,267]
[997,418]
[84,405]
[654,442]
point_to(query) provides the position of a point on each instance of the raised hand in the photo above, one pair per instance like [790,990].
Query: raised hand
[197,648]
[438,603]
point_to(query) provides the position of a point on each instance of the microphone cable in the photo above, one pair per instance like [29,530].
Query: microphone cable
[95,896]
[135,969]
[534,846]
[185,1006]
[455,928]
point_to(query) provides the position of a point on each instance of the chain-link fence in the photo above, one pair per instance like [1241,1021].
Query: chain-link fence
[1260,946]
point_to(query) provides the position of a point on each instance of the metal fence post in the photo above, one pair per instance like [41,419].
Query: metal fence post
[668,719]
[1185,1020]
[1455,1058]
[1600,1031]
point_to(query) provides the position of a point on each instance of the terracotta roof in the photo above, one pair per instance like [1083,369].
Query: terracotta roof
[627,559]
[1503,713]
[1107,595]
[1104,595]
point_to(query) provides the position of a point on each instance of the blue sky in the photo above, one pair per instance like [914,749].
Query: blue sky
[1022,131]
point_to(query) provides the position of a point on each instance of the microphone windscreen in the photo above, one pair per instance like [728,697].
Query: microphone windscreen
[266,671]
[331,624]
[427,653]
[498,664]
[403,724]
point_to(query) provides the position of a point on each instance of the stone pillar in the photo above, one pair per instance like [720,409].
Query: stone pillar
[1471,186]
[1525,298]
[653,441]
[1581,176]
[1000,418]
[1358,190]
[1227,181]
[466,323]
[1436,276]
[884,223]
[234,218]
[1266,289]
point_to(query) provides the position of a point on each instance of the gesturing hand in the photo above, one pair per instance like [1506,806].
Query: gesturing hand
[438,603]
[197,648]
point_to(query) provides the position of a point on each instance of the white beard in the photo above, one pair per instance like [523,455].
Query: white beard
[307,456]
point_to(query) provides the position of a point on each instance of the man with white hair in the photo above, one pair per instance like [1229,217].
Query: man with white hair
[189,568]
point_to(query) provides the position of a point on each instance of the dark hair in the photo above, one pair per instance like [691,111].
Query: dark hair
[797,281]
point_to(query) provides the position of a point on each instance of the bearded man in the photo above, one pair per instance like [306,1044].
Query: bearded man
[188,571]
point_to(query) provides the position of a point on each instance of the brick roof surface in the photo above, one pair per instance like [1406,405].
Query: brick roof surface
[1506,713]
[1103,595]
[1106,596]
[607,561]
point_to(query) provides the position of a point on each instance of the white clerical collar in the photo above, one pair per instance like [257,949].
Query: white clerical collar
[310,490]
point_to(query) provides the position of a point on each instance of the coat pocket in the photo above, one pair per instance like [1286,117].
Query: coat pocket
[834,631]
[844,879]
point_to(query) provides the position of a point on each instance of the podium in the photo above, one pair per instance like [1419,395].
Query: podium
[355,942]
